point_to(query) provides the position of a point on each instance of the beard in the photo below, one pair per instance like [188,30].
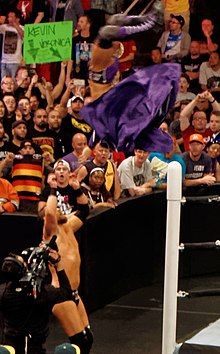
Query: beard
[42,125]
[20,138]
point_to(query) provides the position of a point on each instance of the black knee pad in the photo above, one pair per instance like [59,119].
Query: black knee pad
[89,336]
[82,341]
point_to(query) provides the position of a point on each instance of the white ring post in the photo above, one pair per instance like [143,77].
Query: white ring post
[174,196]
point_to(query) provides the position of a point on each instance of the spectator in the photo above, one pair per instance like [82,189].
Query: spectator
[198,163]
[96,191]
[34,103]
[9,201]
[7,85]
[159,165]
[101,153]
[68,199]
[4,145]
[42,136]
[82,43]
[66,11]
[27,176]
[209,75]
[175,43]
[25,108]
[174,129]
[13,34]
[73,122]
[210,37]
[156,56]
[10,117]
[22,81]
[51,93]
[77,156]
[176,8]
[31,12]
[184,93]
[164,126]
[215,128]
[213,150]
[191,65]
[3,110]
[135,174]
[71,314]
[167,128]
[61,137]
[127,53]
[19,133]
[199,119]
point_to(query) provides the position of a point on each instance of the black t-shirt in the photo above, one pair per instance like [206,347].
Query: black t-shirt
[24,315]
[66,199]
[6,5]
[30,9]
[63,145]
[72,125]
[193,65]
[214,37]
[4,150]
[45,140]
[7,124]
[60,10]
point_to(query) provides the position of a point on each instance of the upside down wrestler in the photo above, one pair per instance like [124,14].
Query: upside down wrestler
[130,112]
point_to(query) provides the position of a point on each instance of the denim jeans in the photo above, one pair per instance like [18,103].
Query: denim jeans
[8,69]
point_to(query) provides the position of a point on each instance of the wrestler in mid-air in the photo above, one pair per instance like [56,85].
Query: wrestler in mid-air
[129,113]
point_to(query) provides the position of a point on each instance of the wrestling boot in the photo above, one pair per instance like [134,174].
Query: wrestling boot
[83,341]
[153,20]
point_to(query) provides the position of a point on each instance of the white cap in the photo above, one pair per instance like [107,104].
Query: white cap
[73,99]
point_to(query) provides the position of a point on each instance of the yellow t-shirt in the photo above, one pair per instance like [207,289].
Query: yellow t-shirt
[177,6]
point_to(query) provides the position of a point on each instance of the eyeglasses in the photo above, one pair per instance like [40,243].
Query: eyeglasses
[8,83]
[176,23]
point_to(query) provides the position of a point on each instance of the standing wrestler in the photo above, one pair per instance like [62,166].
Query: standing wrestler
[71,314]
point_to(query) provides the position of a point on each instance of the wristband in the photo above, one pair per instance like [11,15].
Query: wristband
[158,183]
[78,192]
[53,191]
[213,101]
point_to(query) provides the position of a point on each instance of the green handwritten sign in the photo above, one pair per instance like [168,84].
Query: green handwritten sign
[48,42]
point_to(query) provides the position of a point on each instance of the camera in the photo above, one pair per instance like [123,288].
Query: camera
[37,267]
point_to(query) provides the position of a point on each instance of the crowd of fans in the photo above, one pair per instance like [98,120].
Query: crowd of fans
[40,104]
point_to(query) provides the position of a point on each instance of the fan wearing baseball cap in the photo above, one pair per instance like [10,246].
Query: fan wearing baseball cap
[175,43]
[180,7]
[198,163]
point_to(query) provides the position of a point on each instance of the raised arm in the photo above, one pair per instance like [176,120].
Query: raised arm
[186,113]
[66,95]
[117,191]
[61,82]
[50,220]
